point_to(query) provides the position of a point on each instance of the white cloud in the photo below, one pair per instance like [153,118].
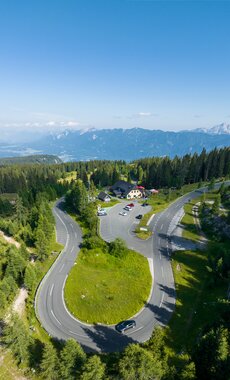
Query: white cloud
[42,125]
[141,115]
[144,114]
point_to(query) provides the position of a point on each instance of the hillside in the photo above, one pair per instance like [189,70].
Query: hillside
[34,159]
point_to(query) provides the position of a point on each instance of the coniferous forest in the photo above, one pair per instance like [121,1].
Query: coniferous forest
[27,193]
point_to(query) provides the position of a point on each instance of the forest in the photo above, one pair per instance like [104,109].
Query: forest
[27,193]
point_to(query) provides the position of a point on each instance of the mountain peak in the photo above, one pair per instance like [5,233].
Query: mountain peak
[220,129]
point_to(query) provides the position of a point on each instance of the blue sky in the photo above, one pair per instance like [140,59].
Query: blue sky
[114,63]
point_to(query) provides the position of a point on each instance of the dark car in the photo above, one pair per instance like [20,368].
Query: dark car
[139,216]
[145,204]
[121,327]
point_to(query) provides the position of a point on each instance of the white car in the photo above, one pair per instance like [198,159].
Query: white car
[127,208]
[101,213]
[123,213]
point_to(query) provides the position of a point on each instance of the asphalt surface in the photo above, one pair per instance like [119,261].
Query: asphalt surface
[49,303]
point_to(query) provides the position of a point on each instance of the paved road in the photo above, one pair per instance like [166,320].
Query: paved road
[50,305]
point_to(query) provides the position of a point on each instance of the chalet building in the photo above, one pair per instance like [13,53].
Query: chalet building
[104,197]
[126,190]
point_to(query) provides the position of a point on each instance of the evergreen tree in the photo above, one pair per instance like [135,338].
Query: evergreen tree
[188,372]
[216,205]
[71,360]
[16,265]
[16,336]
[49,363]
[211,356]
[93,369]
[138,364]
[30,277]
[41,244]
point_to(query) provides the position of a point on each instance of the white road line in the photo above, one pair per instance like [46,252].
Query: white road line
[162,272]
[161,227]
[159,241]
[55,317]
[83,336]
[61,267]
[72,249]
[162,298]
[132,332]
[51,290]
[160,256]
[75,235]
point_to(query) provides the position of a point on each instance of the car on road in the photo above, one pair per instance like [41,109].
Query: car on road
[123,213]
[139,216]
[127,208]
[121,327]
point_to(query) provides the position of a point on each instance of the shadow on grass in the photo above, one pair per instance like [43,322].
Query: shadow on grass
[107,339]
[163,313]
[190,290]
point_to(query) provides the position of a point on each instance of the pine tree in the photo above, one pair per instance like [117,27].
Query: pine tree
[71,360]
[93,369]
[49,363]
[16,336]
[138,364]
[29,277]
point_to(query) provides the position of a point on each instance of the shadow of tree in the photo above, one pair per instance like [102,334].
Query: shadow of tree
[163,313]
[107,339]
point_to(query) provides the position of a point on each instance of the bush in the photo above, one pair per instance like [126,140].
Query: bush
[118,248]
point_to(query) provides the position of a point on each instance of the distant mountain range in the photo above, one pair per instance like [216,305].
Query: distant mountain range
[116,144]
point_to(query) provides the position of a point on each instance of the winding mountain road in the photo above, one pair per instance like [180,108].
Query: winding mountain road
[49,302]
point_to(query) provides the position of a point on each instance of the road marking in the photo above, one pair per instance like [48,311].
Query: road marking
[162,272]
[55,317]
[61,267]
[160,256]
[83,336]
[75,234]
[162,300]
[159,241]
[161,227]
[72,249]
[132,332]
[51,290]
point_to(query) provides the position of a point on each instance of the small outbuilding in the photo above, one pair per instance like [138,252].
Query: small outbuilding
[104,197]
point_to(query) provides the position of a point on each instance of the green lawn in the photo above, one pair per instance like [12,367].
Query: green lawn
[191,232]
[195,299]
[105,289]
[112,203]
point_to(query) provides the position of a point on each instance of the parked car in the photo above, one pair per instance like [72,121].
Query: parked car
[123,213]
[131,205]
[127,208]
[139,216]
[101,213]
[121,327]
[145,204]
